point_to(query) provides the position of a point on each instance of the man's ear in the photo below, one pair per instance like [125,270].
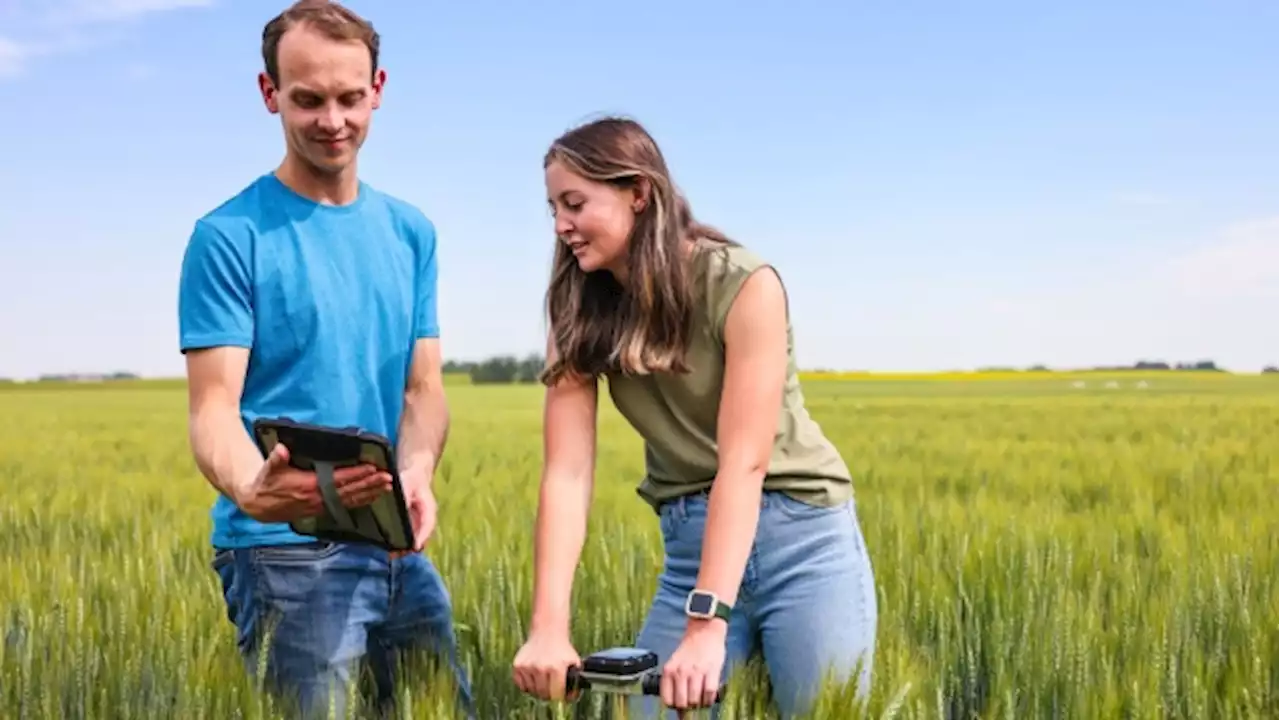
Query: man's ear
[270,96]
[379,82]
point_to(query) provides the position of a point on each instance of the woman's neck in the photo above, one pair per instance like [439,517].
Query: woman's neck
[620,271]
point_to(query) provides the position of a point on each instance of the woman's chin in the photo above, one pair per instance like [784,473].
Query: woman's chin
[591,262]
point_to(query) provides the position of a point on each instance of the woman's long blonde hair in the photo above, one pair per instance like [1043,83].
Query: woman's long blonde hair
[598,326]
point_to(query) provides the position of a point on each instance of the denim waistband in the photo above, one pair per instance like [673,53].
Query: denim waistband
[680,503]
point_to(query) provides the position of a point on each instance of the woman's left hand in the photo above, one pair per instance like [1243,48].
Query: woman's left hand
[691,678]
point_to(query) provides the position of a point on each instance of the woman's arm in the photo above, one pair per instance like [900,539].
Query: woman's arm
[755,338]
[569,448]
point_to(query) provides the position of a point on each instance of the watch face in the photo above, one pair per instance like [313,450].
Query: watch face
[701,604]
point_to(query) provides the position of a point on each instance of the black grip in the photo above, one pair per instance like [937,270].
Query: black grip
[573,681]
[650,685]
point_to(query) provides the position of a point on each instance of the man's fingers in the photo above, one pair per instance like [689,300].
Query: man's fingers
[364,490]
[376,483]
[420,536]
[278,458]
[355,473]
[362,499]
[313,507]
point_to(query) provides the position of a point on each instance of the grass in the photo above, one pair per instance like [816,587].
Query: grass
[1041,549]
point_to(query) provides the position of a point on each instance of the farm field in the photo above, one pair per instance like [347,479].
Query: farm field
[1045,546]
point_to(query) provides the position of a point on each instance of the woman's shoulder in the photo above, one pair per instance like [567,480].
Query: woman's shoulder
[722,271]
[726,265]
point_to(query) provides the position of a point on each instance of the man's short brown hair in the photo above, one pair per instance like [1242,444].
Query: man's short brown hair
[330,18]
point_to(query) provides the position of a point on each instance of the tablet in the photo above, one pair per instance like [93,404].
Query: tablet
[321,449]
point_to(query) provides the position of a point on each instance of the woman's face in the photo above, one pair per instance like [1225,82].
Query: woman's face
[593,219]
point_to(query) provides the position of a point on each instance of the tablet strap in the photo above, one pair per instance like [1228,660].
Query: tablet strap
[329,493]
[367,523]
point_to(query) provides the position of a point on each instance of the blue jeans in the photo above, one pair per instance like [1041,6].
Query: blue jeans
[807,601]
[326,607]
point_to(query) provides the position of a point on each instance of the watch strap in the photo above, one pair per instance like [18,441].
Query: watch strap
[723,610]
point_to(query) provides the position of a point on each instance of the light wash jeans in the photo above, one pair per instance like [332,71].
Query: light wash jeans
[330,606]
[807,601]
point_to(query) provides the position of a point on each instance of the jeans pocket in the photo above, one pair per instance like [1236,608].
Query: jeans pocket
[296,553]
[666,523]
[232,579]
[796,509]
[221,559]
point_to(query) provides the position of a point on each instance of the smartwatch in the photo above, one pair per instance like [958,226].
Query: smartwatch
[704,605]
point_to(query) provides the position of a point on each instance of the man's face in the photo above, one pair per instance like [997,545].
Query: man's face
[326,97]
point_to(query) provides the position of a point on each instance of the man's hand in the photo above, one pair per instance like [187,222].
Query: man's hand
[422,507]
[280,493]
[423,429]
[421,502]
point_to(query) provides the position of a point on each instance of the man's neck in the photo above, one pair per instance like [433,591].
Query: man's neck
[340,189]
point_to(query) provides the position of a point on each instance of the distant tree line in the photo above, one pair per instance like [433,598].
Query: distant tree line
[1208,365]
[500,369]
[504,369]
[88,377]
[1199,365]
[509,369]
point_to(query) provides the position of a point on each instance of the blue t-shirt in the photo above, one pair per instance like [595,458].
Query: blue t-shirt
[329,299]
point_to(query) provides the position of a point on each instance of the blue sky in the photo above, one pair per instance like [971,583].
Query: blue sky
[942,185]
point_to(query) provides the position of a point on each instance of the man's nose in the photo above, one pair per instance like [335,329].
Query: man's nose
[331,119]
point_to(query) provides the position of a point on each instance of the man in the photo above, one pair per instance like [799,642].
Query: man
[311,295]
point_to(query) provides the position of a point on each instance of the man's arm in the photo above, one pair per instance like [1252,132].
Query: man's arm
[215,318]
[424,426]
[755,371]
[224,452]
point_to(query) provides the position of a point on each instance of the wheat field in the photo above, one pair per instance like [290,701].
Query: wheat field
[1046,546]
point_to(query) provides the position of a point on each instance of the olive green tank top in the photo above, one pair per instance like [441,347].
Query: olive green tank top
[676,414]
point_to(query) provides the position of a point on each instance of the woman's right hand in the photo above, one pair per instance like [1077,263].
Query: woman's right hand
[541,665]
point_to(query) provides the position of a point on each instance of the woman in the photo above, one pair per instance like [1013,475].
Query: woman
[755,503]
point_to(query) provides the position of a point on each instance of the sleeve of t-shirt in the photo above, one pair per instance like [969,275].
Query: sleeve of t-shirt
[215,291]
[729,272]
[426,322]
